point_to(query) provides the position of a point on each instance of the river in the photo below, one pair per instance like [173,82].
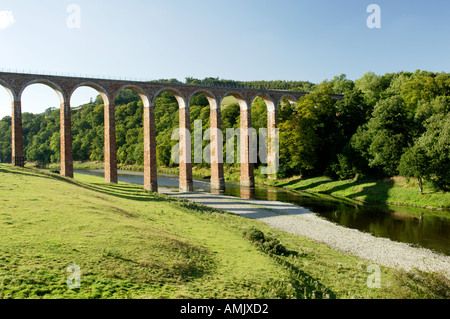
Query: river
[416,226]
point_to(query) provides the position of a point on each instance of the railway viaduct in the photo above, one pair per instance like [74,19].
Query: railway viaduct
[65,86]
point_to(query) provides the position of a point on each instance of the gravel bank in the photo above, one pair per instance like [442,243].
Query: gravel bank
[300,221]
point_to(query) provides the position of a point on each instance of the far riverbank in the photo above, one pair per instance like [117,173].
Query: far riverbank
[389,191]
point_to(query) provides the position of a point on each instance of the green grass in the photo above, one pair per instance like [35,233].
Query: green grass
[130,243]
[396,191]
[228,100]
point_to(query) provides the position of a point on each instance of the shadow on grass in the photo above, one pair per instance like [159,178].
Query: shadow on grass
[375,194]
[306,285]
[121,190]
[308,186]
[124,191]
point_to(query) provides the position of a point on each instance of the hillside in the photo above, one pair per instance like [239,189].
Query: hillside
[130,243]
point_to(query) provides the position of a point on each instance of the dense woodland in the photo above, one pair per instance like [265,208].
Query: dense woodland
[386,125]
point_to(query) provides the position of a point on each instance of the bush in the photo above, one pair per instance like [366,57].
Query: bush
[254,235]
[266,243]
[432,285]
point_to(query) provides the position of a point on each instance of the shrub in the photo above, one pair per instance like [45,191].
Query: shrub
[268,244]
[432,285]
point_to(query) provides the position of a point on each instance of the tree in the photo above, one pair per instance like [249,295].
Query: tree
[308,137]
[372,86]
[383,139]
[414,163]
[341,84]
[435,143]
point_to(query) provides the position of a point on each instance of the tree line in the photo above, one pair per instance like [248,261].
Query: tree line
[385,125]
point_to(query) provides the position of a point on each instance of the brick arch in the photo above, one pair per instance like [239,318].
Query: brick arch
[59,91]
[143,95]
[243,102]
[289,97]
[8,89]
[182,102]
[208,94]
[270,103]
[106,96]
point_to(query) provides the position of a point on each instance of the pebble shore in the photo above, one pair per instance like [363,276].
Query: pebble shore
[302,222]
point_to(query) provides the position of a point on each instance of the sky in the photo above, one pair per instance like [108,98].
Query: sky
[312,40]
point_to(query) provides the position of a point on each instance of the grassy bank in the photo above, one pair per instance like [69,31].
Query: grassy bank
[130,243]
[395,191]
[231,173]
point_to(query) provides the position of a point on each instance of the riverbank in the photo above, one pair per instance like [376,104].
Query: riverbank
[299,221]
[390,191]
[130,243]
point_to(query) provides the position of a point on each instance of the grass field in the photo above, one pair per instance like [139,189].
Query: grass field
[227,100]
[130,243]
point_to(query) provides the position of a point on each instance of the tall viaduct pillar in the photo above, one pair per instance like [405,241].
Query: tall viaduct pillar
[110,143]
[217,175]
[150,169]
[272,143]
[247,175]
[17,156]
[66,140]
[185,181]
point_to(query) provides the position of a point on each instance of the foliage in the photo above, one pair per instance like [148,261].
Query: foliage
[385,136]
[268,244]
[429,285]
[384,125]
[429,158]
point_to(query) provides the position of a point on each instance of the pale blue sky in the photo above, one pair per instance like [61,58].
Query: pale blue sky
[233,39]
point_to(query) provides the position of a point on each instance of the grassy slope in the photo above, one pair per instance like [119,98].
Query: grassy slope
[133,244]
[396,190]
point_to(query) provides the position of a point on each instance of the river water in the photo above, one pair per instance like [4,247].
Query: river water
[419,227]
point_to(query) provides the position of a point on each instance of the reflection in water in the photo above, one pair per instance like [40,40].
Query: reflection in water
[410,225]
[247,192]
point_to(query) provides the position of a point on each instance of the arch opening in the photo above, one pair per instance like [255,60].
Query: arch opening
[173,139]
[6,98]
[208,137]
[84,95]
[285,108]
[202,105]
[163,93]
[129,119]
[106,139]
[230,109]
[87,123]
[40,121]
